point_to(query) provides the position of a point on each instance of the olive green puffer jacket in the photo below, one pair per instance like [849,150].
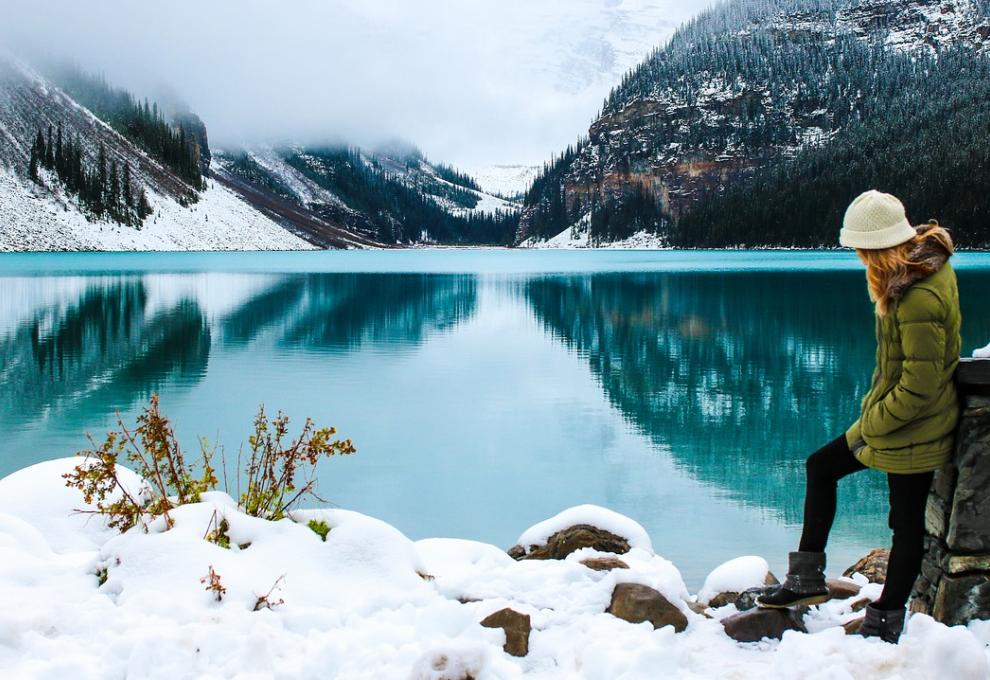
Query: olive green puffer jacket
[909,416]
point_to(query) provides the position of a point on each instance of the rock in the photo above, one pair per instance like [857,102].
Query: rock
[970,502]
[771,580]
[564,542]
[516,626]
[699,608]
[961,599]
[723,599]
[747,598]
[839,589]
[873,566]
[757,624]
[636,603]
[604,563]
[860,604]
[517,552]
[852,627]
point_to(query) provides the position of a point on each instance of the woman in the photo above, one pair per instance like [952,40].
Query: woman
[908,417]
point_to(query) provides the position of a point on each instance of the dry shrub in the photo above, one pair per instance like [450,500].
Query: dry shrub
[154,453]
[279,472]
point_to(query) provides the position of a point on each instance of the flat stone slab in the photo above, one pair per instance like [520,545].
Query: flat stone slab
[604,563]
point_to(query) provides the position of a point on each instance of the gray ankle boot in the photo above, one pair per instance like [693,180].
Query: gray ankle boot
[885,624]
[805,583]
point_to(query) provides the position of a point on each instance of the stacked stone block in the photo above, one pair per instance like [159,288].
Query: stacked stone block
[954,585]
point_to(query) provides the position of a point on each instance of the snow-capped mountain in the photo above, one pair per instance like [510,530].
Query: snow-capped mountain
[85,166]
[389,195]
[585,46]
[747,85]
[44,215]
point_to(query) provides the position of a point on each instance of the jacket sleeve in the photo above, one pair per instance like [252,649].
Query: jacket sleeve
[920,320]
[854,436]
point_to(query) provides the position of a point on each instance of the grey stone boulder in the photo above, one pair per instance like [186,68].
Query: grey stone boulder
[873,566]
[636,603]
[968,530]
[517,627]
[757,624]
[562,543]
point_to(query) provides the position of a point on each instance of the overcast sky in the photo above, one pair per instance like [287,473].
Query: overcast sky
[472,82]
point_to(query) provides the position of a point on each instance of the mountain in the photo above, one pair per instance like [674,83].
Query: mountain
[390,195]
[87,166]
[77,202]
[759,121]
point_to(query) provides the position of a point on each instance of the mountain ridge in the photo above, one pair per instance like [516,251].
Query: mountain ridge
[741,87]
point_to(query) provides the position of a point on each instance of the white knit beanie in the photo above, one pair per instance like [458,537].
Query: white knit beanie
[875,220]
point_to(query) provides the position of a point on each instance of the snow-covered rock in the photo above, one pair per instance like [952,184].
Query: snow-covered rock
[734,576]
[593,515]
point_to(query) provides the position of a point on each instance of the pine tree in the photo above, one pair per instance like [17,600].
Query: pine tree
[59,159]
[143,207]
[113,193]
[33,163]
[128,200]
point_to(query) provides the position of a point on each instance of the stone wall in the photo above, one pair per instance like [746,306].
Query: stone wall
[954,585]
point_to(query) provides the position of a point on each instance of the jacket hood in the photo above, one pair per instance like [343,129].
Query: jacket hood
[927,256]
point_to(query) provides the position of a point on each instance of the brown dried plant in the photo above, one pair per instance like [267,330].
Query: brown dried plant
[279,471]
[280,474]
[213,584]
[154,453]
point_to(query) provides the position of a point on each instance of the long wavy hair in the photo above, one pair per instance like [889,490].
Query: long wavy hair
[890,270]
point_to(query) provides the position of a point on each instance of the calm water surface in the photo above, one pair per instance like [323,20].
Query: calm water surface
[485,390]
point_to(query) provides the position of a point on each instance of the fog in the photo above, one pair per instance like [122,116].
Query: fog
[470,82]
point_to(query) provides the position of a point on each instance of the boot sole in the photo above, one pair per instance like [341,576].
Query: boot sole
[807,601]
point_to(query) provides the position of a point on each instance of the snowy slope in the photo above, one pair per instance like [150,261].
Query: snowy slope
[32,220]
[510,181]
[43,217]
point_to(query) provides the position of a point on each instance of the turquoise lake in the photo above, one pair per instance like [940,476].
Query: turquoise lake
[485,390]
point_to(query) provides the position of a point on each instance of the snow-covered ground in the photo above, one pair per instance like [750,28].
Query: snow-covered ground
[370,603]
[32,220]
[510,181]
[578,237]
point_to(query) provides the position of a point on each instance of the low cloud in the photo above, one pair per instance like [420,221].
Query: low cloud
[471,82]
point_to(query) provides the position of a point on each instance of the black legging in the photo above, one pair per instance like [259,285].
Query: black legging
[908,496]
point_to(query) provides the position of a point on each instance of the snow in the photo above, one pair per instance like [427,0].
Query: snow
[370,603]
[577,236]
[734,576]
[220,220]
[510,181]
[596,516]
[982,353]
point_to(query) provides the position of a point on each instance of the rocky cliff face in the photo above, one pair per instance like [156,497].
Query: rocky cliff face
[745,83]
